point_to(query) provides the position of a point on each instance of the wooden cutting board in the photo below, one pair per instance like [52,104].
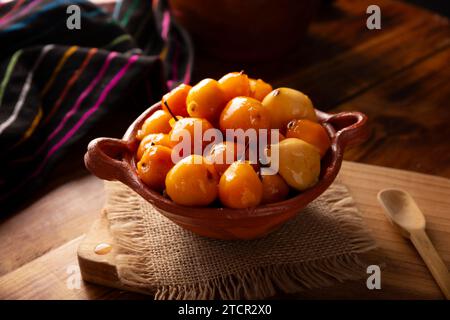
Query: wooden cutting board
[404,274]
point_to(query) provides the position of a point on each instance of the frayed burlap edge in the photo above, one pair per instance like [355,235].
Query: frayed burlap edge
[129,229]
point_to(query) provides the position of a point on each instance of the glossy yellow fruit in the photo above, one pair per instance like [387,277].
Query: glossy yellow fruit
[285,104]
[158,122]
[311,132]
[259,89]
[235,84]
[223,154]
[174,120]
[244,113]
[154,165]
[299,163]
[192,182]
[176,99]
[275,189]
[206,100]
[188,126]
[240,186]
[151,140]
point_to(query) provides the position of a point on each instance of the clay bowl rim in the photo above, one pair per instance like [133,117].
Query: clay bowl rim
[121,166]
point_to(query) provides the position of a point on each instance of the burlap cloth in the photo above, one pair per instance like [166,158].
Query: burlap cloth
[321,246]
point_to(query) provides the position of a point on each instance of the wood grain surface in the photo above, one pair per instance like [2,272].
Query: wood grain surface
[404,274]
[398,76]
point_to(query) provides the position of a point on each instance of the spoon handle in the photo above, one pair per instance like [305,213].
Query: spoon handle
[432,259]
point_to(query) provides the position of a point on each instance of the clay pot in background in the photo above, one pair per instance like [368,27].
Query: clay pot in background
[245,30]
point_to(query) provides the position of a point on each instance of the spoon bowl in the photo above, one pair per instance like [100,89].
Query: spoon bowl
[401,209]
[404,213]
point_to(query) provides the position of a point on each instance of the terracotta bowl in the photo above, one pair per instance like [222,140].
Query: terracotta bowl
[114,159]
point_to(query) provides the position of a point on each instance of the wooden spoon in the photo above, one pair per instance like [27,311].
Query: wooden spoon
[403,212]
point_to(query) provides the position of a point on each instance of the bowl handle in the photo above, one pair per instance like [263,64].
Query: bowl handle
[351,127]
[104,158]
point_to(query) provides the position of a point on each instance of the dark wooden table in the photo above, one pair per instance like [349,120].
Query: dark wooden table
[399,76]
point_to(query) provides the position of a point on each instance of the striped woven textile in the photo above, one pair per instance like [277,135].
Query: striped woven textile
[55,83]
